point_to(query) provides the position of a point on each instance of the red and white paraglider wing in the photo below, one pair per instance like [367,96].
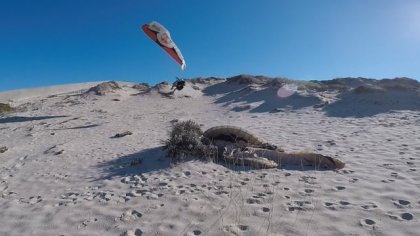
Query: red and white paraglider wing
[162,37]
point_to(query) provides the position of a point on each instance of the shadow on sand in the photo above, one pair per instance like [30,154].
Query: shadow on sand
[238,167]
[148,160]
[154,159]
[17,119]
[267,98]
[241,97]
[370,104]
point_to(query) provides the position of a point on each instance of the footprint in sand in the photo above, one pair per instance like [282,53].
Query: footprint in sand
[86,222]
[34,200]
[260,195]
[179,192]
[346,171]
[369,223]
[385,165]
[344,203]
[105,196]
[410,163]
[308,179]
[309,191]
[3,186]
[253,201]
[339,188]
[162,184]
[235,229]
[8,194]
[396,175]
[401,203]
[299,206]
[369,206]
[134,232]
[130,215]
[193,233]
[221,192]
[353,180]
[340,204]
[137,193]
[406,216]
[329,204]
[152,196]
[131,180]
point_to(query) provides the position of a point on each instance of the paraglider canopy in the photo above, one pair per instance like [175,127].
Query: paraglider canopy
[162,37]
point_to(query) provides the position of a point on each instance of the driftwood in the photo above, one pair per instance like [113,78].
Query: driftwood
[235,134]
[304,159]
[240,147]
[236,157]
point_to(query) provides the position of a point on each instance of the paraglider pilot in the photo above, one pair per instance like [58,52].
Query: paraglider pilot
[178,84]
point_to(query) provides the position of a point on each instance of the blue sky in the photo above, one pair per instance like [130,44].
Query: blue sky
[65,41]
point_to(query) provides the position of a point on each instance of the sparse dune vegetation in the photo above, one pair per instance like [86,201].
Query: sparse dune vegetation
[5,108]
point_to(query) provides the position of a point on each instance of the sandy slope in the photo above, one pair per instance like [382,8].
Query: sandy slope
[65,174]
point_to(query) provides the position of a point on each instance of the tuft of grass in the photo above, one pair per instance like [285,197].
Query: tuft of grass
[184,142]
[5,108]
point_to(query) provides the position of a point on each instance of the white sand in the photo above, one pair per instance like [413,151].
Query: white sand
[64,174]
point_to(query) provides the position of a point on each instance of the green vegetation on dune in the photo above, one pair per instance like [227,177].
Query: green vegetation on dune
[5,108]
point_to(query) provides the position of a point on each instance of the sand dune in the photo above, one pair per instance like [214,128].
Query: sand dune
[66,171]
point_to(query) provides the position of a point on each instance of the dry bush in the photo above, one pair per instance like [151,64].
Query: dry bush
[367,89]
[203,80]
[402,84]
[185,142]
[104,88]
[248,79]
[314,86]
[279,82]
[141,86]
